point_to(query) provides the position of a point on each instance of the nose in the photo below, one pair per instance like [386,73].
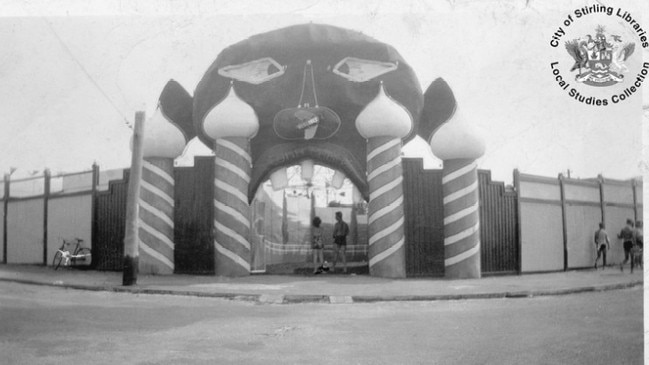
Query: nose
[306,121]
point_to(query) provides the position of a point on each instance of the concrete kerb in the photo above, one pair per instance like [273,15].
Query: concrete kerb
[331,299]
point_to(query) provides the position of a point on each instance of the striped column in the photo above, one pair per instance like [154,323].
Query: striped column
[461,219]
[231,208]
[155,217]
[385,221]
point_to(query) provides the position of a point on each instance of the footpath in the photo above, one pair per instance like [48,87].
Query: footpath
[331,288]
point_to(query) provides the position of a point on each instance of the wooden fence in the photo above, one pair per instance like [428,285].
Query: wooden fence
[109,225]
[423,219]
[194,218]
[559,216]
[499,244]
[39,212]
[540,224]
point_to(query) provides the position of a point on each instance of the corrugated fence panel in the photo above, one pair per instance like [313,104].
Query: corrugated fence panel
[25,231]
[583,215]
[618,200]
[424,219]
[110,205]
[498,231]
[541,224]
[582,222]
[194,246]
[541,237]
[68,217]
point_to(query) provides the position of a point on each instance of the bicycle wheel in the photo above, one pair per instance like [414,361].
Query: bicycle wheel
[58,257]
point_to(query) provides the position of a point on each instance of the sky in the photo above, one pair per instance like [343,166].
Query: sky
[73,74]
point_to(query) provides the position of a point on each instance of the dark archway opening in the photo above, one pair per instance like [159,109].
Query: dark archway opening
[281,231]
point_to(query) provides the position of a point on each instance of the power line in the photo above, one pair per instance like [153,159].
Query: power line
[90,78]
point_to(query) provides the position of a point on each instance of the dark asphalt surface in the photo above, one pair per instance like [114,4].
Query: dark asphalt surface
[54,325]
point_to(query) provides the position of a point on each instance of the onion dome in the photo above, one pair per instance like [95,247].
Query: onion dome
[457,139]
[232,117]
[384,117]
[162,138]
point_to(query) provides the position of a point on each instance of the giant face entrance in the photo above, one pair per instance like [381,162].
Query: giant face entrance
[281,231]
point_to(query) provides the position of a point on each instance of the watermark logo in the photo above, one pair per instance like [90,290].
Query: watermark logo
[599,60]
[593,45]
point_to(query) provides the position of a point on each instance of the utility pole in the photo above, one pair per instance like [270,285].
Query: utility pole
[131,236]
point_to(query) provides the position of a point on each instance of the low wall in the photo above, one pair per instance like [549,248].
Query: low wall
[540,222]
[559,217]
[37,212]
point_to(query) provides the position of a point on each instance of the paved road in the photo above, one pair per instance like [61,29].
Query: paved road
[48,325]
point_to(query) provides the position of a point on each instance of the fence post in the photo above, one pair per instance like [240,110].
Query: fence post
[563,222]
[602,199]
[7,179]
[131,236]
[46,197]
[517,189]
[93,211]
[635,200]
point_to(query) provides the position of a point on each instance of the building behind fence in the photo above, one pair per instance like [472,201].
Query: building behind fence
[540,224]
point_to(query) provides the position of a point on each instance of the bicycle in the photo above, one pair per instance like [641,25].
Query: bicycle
[80,256]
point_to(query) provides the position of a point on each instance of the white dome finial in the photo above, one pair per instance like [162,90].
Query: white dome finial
[384,117]
[457,139]
[162,138]
[232,117]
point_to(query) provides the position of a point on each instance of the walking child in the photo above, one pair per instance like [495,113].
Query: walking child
[601,244]
[627,235]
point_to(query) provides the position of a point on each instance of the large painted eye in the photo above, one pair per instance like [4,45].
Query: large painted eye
[254,72]
[360,70]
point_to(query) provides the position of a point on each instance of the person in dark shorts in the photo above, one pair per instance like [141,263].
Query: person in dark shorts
[341,230]
[601,244]
[626,234]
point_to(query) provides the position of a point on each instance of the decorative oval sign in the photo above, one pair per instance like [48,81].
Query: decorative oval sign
[306,123]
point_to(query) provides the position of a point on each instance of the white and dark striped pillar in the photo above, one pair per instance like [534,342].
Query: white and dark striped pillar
[156,216]
[459,146]
[164,140]
[231,209]
[384,122]
[385,211]
[231,123]
[461,219]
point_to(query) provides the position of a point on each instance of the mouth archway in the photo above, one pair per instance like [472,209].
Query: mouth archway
[322,153]
[281,223]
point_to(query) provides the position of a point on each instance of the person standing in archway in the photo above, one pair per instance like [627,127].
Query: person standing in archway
[341,230]
[317,245]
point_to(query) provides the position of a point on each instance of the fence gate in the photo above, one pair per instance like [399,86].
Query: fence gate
[499,248]
[424,219]
[194,217]
[109,226]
